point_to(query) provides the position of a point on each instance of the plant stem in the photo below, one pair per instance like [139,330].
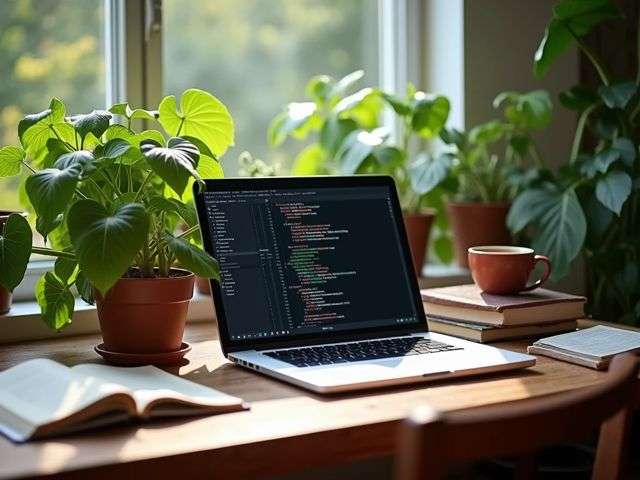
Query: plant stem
[28,166]
[144,184]
[55,132]
[52,253]
[189,231]
[577,139]
[591,55]
[180,126]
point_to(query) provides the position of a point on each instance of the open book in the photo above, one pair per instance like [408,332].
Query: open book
[40,398]
[592,347]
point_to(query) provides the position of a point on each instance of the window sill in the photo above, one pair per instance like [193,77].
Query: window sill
[23,321]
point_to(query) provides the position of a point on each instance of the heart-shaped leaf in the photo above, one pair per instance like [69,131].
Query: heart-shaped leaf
[427,173]
[106,243]
[202,116]
[599,163]
[56,301]
[626,149]
[613,190]
[95,122]
[174,163]
[50,192]
[11,160]
[83,158]
[15,250]
[34,130]
[618,95]
[114,148]
[430,114]
[193,258]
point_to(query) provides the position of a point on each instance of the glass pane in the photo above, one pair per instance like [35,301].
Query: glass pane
[48,48]
[257,55]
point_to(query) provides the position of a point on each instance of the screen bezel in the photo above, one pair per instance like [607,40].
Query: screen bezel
[315,182]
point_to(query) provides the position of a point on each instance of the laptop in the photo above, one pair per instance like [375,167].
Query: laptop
[317,286]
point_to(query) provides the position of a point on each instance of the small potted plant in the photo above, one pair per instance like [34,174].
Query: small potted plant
[108,201]
[489,163]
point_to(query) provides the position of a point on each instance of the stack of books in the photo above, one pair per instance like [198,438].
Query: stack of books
[467,312]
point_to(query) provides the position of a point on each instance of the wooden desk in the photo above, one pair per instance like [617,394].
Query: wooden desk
[286,430]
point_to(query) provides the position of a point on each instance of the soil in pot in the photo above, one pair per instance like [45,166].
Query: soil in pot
[145,315]
[418,226]
[476,224]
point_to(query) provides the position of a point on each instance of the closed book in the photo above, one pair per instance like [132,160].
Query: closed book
[468,303]
[487,333]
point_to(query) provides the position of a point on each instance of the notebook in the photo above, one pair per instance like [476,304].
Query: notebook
[592,347]
[470,304]
[41,398]
[486,333]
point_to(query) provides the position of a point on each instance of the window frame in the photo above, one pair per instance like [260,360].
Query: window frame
[133,68]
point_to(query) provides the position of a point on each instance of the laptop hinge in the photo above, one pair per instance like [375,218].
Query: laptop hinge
[306,343]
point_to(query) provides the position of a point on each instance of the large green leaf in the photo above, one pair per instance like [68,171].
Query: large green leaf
[193,258]
[11,160]
[570,16]
[617,95]
[358,145]
[334,131]
[559,220]
[106,243]
[50,192]
[488,132]
[309,161]
[15,250]
[202,116]
[83,158]
[34,130]
[293,118]
[175,163]
[66,270]
[56,301]
[613,190]
[84,288]
[430,114]
[95,122]
[427,172]
[627,150]
[531,110]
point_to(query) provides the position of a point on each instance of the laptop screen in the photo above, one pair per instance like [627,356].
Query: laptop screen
[301,261]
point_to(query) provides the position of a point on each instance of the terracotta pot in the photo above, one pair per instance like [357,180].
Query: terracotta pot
[145,315]
[418,226]
[475,224]
[203,286]
[5,295]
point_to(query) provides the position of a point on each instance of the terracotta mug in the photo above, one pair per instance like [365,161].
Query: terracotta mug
[504,270]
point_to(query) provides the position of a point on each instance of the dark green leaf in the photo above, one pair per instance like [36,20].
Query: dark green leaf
[613,190]
[95,122]
[82,158]
[55,300]
[452,136]
[599,163]
[430,114]
[15,250]
[193,258]
[427,173]
[55,149]
[578,98]
[66,270]
[11,161]
[489,132]
[106,244]
[598,219]
[334,131]
[174,163]
[50,192]
[400,106]
[114,148]
[626,149]
[618,95]
[202,147]
[201,116]
[85,289]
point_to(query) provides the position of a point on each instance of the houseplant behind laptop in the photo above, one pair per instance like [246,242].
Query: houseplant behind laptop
[108,200]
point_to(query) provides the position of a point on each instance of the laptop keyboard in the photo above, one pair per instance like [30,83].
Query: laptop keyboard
[358,351]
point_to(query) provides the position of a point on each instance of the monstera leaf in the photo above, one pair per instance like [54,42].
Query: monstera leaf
[11,160]
[15,249]
[106,243]
[50,192]
[201,115]
[193,258]
[174,163]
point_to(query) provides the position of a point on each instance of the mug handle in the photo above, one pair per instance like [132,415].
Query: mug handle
[545,274]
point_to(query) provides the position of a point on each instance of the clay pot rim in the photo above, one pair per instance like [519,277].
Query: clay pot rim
[185,275]
[480,204]
[500,250]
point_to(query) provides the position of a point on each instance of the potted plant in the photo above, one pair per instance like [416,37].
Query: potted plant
[591,205]
[108,199]
[486,164]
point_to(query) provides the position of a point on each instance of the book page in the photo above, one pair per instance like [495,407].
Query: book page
[150,384]
[598,342]
[40,391]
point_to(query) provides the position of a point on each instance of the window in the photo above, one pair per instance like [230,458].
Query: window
[256,56]
[47,48]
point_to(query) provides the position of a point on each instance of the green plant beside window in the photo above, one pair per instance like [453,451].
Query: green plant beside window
[109,199]
[591,204]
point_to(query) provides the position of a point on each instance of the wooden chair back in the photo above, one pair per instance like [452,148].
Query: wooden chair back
[431,442]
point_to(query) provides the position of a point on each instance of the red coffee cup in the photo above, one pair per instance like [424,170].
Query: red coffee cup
[504,270]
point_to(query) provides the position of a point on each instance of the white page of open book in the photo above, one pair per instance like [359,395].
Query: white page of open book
[40,391]
[147,384]
[599,341]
